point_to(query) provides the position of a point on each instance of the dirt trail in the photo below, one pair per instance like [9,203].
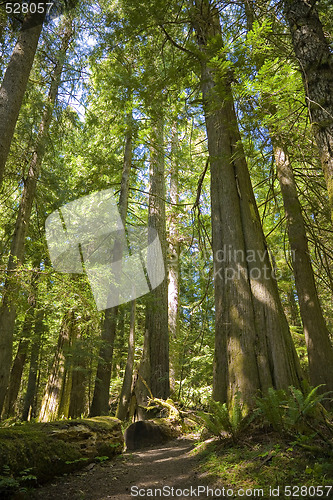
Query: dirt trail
[170,465]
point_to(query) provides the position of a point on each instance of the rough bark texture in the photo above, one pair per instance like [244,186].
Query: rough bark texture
[15,378]
[173,261]
[316,63]
[77,404]
[8,307]
[15,81]
[319,347]
[125,394]
[100,402]
[253,347]
[53,395]
[30,399]
[157,300]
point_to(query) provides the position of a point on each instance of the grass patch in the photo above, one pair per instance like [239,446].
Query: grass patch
[266,460]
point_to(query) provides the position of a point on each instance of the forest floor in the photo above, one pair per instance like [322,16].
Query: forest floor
[260,464]
[170,465]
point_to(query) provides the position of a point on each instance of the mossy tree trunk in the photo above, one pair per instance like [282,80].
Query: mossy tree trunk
[253,345]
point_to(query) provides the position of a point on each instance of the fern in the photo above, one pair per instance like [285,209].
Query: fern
[288,411]
[272,407]
[222,420]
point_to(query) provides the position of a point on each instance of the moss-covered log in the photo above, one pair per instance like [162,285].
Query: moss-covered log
[58,447]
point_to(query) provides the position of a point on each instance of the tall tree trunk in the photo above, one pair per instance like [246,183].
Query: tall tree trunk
[293,307]
[21,355]
[15,80]
[18,365]
[79,380]
[253,345]
[30,400]
[319,347]
[53,395]
[320,351]
[11,288]
[157,300]
[174,254]
[15,378]
[125,394]
[100,401]
[316,63]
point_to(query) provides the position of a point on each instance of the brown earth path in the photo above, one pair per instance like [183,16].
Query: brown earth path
[169,465]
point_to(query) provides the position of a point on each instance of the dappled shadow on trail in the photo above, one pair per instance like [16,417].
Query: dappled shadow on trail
[170,466]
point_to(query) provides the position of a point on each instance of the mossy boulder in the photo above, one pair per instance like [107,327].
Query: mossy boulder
[58,447]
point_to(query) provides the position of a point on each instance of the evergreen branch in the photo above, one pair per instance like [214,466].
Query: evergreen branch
[175,44]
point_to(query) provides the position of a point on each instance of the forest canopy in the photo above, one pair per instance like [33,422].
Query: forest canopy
[208,126]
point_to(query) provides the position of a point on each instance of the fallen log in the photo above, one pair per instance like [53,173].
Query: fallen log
[53,448]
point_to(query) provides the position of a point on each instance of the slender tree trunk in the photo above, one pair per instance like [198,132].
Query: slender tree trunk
[15,81]
[15,378]
[8,307]
[79,380]
[316,62]
[3,24]
[126,391]
[141,390]
[319,347]
[55,384]
[293,307]
[30,400]
[157,300]
[100,401]
[253,345]
[174,254]
[20,358]
[67,379]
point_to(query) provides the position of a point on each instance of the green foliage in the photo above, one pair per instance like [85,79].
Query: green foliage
[289,411]
[221,420]
[10,485]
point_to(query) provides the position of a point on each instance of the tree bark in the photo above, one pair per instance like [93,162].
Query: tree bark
[100,401]
[16,257]
[320,351]
[15,81]
[30,400]
[157,300]
[126,390]
[77,405]
[173,261]
[319,347]
[316,63]
[16,377]
[253,345]
[54,391]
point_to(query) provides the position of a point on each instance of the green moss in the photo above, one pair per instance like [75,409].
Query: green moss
[49,450]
